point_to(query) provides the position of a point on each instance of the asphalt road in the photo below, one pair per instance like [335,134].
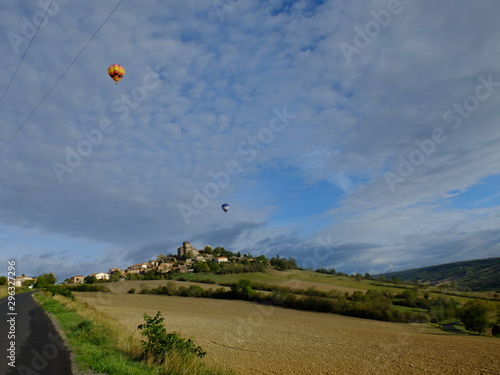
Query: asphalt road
[38,348]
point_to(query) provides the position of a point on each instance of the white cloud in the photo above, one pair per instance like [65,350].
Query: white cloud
[220,82]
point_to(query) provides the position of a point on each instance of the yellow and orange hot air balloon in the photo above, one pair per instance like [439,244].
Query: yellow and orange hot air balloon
[116,72]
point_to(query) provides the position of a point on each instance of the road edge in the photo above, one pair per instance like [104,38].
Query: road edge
[75,370]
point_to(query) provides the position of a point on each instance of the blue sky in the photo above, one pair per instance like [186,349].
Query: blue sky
[346,134]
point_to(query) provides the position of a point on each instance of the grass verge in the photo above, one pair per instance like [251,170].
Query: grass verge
[4,291]
[104,346]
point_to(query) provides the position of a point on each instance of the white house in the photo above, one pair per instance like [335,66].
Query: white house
[18,281]
[100,275]
[221,259]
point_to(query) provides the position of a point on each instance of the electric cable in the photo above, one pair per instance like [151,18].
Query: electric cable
[25,52]
[60,78]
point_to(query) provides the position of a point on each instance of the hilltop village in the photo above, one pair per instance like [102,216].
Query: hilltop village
[188,259]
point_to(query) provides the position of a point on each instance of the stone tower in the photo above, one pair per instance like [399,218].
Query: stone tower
[187,250]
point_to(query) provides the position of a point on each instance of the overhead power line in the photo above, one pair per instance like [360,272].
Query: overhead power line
[25,52]
[61,77]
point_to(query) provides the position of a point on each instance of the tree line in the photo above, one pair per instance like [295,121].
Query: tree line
[476,315]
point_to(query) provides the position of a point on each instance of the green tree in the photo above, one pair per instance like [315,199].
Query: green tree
[243,289]
[262,259]
[221,252]
[218,251]
[151,275]
[474,315]
[358,296]
[377,300]
[3,280]
[200,267]
[283,264]
[28,282]
[133,276]
[45,280]
[214,267]
[396,280]
[442,308]
[171,288]
[91,279]
[410,297]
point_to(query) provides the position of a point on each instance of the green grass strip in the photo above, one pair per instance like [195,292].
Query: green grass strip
[3,291]
[94,346]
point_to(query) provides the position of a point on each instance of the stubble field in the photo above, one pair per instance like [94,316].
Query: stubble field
[257,339]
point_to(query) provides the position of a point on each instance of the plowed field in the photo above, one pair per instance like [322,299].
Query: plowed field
[257,339]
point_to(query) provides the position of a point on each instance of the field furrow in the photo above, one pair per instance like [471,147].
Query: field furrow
[257,339]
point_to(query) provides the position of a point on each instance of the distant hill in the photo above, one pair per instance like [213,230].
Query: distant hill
[479,274]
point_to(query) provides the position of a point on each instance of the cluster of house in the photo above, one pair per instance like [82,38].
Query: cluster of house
[165,265]
[19,280]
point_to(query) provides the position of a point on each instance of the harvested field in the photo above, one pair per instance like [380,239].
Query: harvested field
[256,339]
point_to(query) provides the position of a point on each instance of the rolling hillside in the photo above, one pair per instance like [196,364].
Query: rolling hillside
[479,274]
